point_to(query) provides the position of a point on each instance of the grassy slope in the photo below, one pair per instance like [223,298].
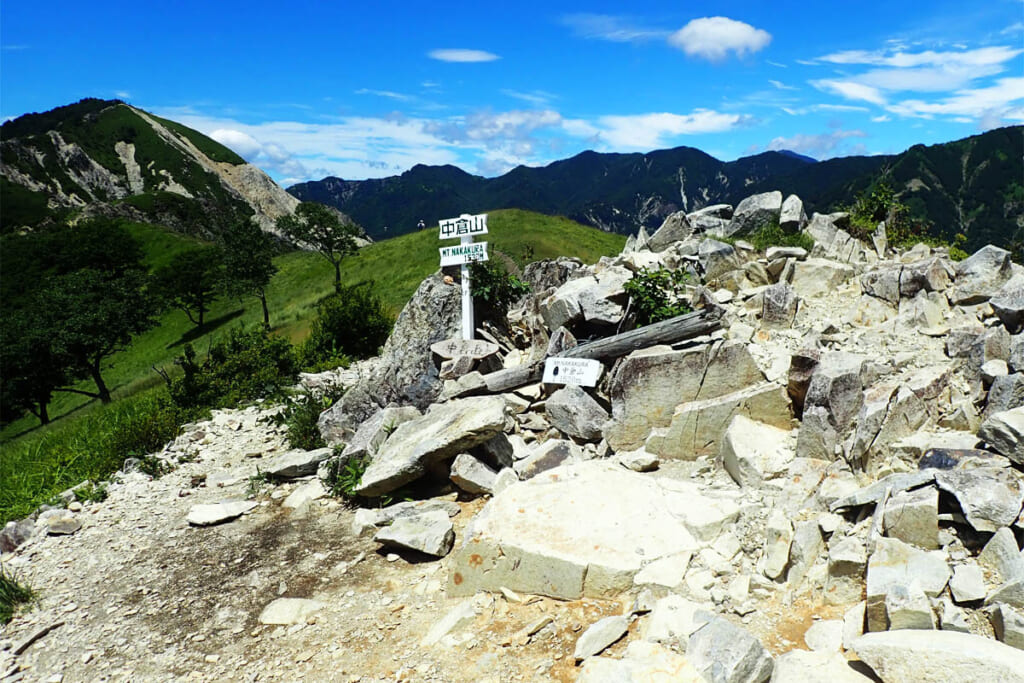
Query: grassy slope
[397,266]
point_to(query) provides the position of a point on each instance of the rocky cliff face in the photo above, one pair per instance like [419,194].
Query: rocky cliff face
[111,158]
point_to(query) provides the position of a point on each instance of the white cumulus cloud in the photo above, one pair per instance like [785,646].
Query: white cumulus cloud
[819,146]
[461,55]
[713,38]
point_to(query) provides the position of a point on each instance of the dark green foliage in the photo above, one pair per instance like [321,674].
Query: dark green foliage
[71,297]
[772,235]
[325,230]
[349,324]
[300,415]
[494,290]
[248,255]
[92,314]
[39,466]
[343,475]
[656,295]
[13,592]
[23,207]
[190,280]
[247,365]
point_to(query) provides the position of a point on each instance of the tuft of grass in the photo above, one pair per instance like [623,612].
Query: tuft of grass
[13,593]
[91,493]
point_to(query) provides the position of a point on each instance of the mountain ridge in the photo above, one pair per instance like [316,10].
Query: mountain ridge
[621,192]
[109,158]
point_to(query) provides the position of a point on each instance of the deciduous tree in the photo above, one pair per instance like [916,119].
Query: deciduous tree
[325,230]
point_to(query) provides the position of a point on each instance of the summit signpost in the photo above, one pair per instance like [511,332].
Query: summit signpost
[464,227]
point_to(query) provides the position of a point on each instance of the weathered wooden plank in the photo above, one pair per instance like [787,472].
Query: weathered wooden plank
[665,332]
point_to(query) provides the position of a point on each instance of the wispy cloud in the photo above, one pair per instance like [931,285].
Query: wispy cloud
[462,56]
[122,94]
[385,93]
[779,85]
[997,99]
[536,97]
[14,48]
[851,90]
[613,28]
[714,38]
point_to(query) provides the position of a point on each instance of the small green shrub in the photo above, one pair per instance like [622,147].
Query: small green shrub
[91,493]
[349,324]
[772,235]
[301,414]
[656,295]
[344,475]
[494,290]
[153,466]
[880,203]
[245,366]
[12,594]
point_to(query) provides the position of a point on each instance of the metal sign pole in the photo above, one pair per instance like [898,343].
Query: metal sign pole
[467,297]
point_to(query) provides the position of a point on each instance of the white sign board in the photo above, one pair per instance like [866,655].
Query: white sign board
[463,226]
[463,253]
[582,371]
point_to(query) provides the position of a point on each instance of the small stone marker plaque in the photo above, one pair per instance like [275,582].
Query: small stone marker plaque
[454,348]
[582,371]
[463,226]
[463,253]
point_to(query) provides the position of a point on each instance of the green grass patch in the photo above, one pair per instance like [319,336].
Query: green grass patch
[772,235]
[13,593]
[38,466]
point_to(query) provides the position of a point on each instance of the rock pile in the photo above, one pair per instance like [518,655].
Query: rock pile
[829,469]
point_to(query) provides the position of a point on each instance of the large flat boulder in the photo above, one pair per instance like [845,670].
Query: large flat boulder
[529,537]
[909,656]
[445,431]
[648,385]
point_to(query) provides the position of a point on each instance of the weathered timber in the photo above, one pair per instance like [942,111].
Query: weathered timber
[665,332]
[503,380]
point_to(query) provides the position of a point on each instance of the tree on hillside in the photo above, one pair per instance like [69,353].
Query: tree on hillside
[88,315]
[249,262]
[190,281]
[330,233]
[30,367]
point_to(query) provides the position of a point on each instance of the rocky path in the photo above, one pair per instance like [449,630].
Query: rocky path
[142,595]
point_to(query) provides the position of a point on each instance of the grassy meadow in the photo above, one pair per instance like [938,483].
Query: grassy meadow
[87,440]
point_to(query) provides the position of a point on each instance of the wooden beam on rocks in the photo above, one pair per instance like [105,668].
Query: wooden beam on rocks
[669,331]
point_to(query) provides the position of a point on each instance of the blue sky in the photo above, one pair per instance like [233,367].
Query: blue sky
[369,89]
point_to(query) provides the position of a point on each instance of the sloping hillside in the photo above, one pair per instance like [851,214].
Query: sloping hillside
[107,157]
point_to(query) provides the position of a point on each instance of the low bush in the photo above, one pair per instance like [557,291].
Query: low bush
[494,290]
[349,324]
[656,295]
[247,365]
[301,414]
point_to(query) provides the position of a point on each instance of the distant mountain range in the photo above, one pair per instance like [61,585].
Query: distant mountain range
[106,157]
[974,186]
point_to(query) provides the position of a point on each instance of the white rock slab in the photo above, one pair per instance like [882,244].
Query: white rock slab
[287,611]
[599,636]
[215,513]
[530,538]
[910,656]
[642,662]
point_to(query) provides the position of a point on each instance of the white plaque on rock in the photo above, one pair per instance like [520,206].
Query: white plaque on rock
[455,348]
[582,371]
